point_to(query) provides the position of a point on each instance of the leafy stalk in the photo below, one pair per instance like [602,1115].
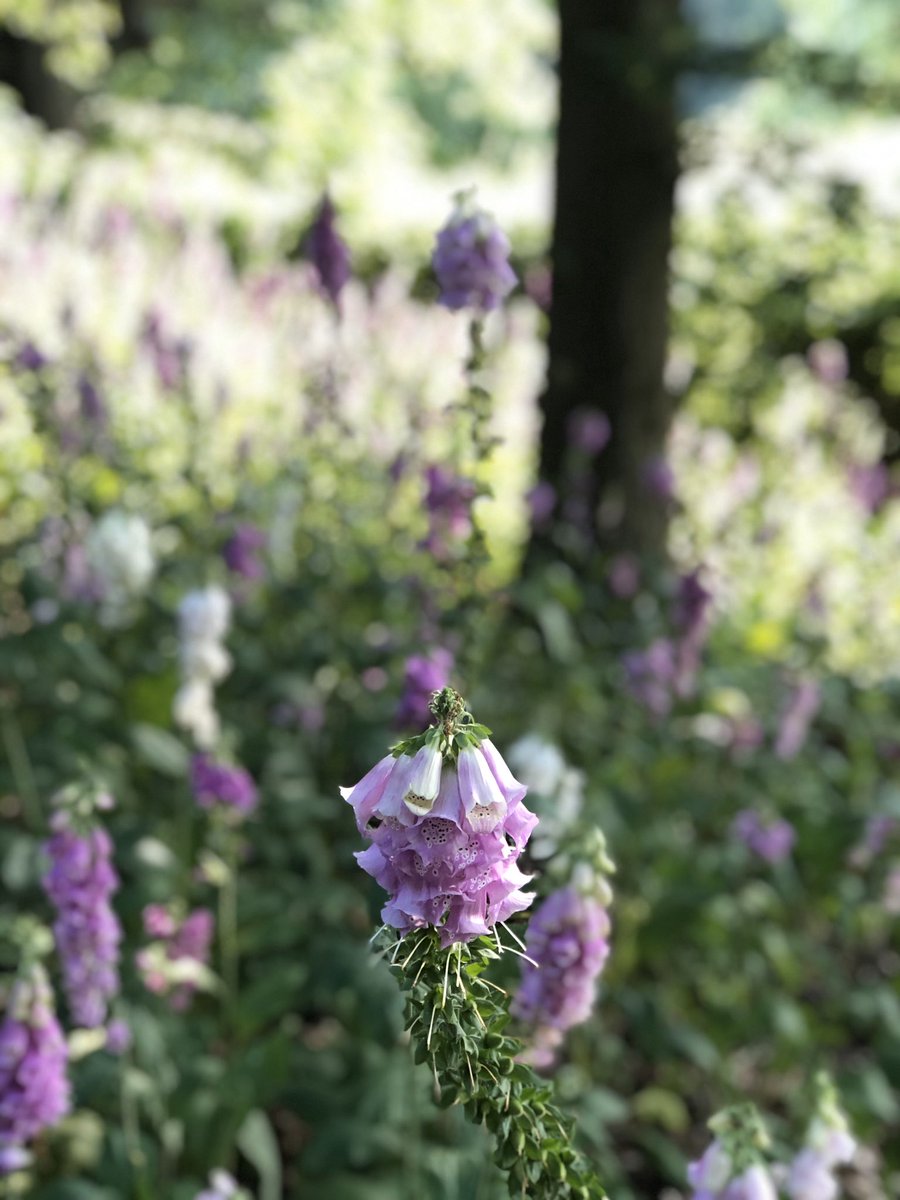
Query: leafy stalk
[457,1021]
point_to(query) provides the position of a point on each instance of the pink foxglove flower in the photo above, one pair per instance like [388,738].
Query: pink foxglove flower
[328,252]
[80,883]
[34,1088]
[220,785]
[568,939]
[447,825]
[471,259]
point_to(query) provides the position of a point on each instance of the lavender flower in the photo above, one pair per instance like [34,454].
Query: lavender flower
[445,836]
[425,674]
[772,841]
[242,551]
[90,402]
[796,717]
[80,884]
[471,260]
[568,937]
[448,500]
[713,1177]
[328,252]
[829,1145]
[589,430]
[34,1089]
[175,964]
[30,358]
[691,619]
[13,1158]
[217,784]
[650,675]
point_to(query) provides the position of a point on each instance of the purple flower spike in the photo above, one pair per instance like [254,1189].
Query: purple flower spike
[219,785]
[445,839]
[568,937]
[34,1089]
[328,252]
[90,402]
[175,964]
[80,884]
[242,551]
[425,674]
[796,717]
[448,501]
[771,842]
[29,358]
[471,260]
[651,674]
[589,430]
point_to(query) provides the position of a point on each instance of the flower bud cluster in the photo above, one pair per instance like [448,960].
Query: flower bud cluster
[447,825]
[34,1088]
[174,964]
[204,617]
[568,941]
[80,884]
[218,785]
[471,259]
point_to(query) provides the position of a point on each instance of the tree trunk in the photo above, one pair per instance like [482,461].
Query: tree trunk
[134,33]
[617,163]
[44,96]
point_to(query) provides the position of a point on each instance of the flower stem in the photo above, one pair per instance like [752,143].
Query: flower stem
[457,1026]
[20,765]
[132,1134]
[228,924]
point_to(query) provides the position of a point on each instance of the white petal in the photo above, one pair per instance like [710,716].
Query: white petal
[424,781]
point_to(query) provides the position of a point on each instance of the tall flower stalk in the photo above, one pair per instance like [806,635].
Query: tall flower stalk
[447,824]
[80,883]
[34,1088]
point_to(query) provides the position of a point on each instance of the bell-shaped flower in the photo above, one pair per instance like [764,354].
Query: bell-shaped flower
[424,781]
[754,1184]
[484,802]
[365,795]
[712,1171]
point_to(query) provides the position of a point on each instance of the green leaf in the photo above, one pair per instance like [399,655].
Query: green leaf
[257,1142]
[160,750]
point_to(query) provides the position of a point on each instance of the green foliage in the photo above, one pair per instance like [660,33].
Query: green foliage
[75,32]
[459,1029]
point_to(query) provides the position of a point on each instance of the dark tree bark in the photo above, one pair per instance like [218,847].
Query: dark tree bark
[23,67]
[135,32]
[617,163]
